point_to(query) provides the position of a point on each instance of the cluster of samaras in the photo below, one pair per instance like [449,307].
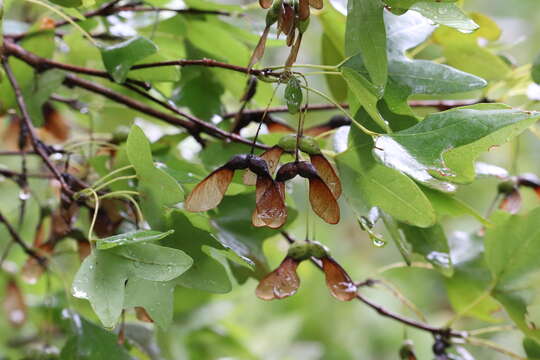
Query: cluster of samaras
[284,281]
[270,209]
[292,17]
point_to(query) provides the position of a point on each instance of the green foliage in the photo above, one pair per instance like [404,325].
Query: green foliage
[426,90]
[119,58]
[103,275]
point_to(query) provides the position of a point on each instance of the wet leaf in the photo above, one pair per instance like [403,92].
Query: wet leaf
[84,335]
[102,276]
[119,58]
[367,183]
[447,14]
[431,243]
[280,283]
[442,148]
[132,237]
[511,254]
[158,190]
[366,35]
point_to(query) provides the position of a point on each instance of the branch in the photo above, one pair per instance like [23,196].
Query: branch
[209,63]
[42,64]
[188,11]
[13,174]
[110,8]
[38,146]
[17,239]
[389,314]
[199,125]
[439,104]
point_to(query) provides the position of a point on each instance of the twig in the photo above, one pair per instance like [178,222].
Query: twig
[14,174]
[208,128]
[446,332]
[37,145]
[42,64]
[209,63]
[186,11]
[491,345]
[439,104]
[110,9]
[17,239]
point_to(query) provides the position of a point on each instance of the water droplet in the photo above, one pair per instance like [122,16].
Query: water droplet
[56,156]
[439,258]
[24,195]
[79,293]
[377,241]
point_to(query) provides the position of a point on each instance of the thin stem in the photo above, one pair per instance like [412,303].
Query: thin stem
[94,216]
[337,73]
[491,329]
[119,178]
[127,195]
[389,314]
[262,120]
[345,112]
[112,173]
[66,18]
[471,305]
[17,239]
[406,302]
[398,265]
[304,66]
[491,345]
[37,145]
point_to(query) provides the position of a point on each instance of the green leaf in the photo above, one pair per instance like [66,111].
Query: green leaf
[532,349]
[132,237]
[68,3]
[408,76]
[468,289]
[81,344]
[463,51]
[367,183]
[444,145]
[233,222]
[102,276]
[158,74]
[445,14]
[157,189]
[364,94]
[156,297]
[419,76]
[207,273]
[366,35]
[199,89]
[39,91]
[406,4]
[512,249]
[446,204]
[331,56]
[535,71]
[431,243]
[293,95]
[119,58]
